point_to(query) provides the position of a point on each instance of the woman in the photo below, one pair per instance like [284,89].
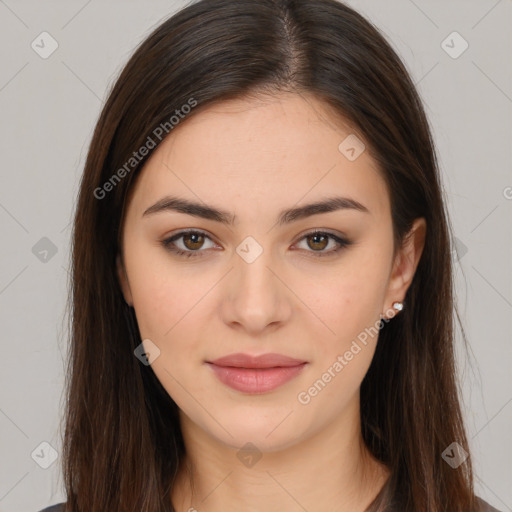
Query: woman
[262,284]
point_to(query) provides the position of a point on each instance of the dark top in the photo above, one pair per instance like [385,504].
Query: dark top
[485,507]
[54,508]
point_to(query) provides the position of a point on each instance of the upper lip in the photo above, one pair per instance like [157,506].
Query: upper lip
[240,360]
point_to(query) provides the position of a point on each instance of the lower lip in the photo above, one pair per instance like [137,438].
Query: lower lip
[255,380]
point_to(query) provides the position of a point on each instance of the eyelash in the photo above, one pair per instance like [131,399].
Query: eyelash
[168,244]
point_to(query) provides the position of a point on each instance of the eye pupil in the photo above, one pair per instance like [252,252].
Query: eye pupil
[197,239]
[316,237]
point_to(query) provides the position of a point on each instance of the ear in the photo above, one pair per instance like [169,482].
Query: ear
[405,263]
[123,280]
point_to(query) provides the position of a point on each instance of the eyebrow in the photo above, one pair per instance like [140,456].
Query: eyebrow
[287,216]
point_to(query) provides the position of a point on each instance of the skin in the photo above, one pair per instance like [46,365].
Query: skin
[254,157]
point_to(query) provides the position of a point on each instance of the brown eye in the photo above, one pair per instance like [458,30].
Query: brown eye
[193,241]
[318,241]
[188,243]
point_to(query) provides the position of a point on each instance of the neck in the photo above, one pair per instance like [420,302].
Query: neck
[330,467]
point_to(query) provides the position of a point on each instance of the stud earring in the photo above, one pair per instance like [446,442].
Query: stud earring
[398,306]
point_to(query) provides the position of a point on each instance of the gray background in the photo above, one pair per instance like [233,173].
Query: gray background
[48,110]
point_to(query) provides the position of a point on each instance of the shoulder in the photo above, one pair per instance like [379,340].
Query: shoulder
[54,508]
[485,507]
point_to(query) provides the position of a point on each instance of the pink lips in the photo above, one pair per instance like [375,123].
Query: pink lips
[256,374]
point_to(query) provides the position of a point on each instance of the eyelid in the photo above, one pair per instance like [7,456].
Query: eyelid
[340,239]
[168,240]
[321,231]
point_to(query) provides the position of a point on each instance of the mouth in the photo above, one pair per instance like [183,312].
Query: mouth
[256,374]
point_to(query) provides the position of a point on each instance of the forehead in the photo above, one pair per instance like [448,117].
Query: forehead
[260,153]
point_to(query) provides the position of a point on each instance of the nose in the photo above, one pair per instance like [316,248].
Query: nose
[256,298]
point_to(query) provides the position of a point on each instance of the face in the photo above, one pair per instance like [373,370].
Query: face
[255,280]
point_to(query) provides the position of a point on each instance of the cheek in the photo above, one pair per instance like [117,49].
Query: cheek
[169,304]
[162,293]
[348,301]
[349,304]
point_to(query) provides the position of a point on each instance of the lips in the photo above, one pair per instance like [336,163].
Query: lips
[256,374]
[240,360]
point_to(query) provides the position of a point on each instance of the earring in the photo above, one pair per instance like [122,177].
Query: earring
[398,306]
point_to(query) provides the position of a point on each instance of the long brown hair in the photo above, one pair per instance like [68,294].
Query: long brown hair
[122,441]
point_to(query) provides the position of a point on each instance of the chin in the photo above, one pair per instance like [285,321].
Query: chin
[267,434]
